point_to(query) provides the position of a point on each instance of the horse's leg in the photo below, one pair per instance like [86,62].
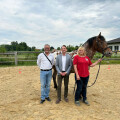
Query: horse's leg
[54,78]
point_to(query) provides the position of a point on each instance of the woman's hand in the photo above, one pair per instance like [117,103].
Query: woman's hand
[99,60]
[76,72]
[92,65]
[78,77]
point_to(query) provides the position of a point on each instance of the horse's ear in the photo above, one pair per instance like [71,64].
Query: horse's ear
[99,34]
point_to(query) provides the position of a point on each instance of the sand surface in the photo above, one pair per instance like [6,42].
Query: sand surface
[20,96]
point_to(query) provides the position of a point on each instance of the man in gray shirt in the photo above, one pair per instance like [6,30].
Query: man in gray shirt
[63,67]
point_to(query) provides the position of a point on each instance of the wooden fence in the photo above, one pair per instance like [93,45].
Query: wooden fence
[16,60]
[15,54]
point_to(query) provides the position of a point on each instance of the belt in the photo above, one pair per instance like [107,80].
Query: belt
[63,71]
[46,69]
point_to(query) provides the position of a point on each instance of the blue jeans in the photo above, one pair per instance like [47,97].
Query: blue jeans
[81,88]
[45,79]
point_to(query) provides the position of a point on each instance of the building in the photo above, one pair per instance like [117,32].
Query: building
[114,44]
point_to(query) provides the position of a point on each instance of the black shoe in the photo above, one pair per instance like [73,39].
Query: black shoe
[48,99]
[66,99]
[42,101]
[58,101]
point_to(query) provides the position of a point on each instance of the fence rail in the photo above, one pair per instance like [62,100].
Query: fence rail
[23,59]
[16,58]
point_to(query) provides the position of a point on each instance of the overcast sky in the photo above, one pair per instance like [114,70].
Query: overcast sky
[58,22]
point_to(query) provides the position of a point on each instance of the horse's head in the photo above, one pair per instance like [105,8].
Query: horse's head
[101,46]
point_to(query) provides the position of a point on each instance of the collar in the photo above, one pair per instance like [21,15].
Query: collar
[45,53]
[64,55]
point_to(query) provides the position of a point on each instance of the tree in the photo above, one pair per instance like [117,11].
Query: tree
[33,48]
[51,48]
[70,48]
[76,47]
[14,45]
[8,47]
[23,46]
[58,48]
[29,49]
[42,49]
[2,49]
[81,44]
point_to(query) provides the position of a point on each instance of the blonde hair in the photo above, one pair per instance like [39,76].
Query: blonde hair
[81,48]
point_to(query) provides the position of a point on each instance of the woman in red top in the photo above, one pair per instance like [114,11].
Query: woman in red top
[81,64]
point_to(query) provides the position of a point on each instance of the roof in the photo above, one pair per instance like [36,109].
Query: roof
[117,40]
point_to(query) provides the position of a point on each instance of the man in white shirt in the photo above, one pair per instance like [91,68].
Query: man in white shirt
[45,62]
[63,67]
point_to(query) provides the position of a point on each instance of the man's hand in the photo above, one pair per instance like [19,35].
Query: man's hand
[63,73]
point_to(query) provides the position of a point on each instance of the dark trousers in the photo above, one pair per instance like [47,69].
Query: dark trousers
[81,88]
[66,81]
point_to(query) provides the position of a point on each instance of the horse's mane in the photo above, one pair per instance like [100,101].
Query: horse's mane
[91,40]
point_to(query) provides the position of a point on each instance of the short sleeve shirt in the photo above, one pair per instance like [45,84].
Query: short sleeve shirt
[82,65]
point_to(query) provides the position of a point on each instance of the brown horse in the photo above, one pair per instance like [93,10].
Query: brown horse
[92,45]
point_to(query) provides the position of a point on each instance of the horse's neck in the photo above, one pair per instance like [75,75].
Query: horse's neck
[90,52]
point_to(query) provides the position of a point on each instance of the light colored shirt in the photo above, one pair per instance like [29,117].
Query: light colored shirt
[43,62]
[63,62]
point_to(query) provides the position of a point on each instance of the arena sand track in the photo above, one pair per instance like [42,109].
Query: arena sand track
[20,96]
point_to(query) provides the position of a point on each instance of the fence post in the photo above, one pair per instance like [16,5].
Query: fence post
[16,59]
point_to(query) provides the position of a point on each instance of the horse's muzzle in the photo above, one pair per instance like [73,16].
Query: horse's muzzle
[108,54]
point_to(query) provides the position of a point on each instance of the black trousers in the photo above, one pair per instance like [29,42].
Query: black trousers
[81,88]
[66,81]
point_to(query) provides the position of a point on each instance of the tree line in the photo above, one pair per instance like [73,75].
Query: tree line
[22,46]
[15,46]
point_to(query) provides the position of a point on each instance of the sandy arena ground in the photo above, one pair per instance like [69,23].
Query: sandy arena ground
[20,96]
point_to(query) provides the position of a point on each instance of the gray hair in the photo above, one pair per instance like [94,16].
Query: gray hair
[46,45]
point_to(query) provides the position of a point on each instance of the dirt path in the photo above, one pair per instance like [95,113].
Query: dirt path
[20,96]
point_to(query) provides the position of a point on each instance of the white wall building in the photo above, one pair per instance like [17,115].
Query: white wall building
[114,44]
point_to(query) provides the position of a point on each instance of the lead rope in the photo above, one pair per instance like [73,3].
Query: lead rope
[94,80]
[97,73]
